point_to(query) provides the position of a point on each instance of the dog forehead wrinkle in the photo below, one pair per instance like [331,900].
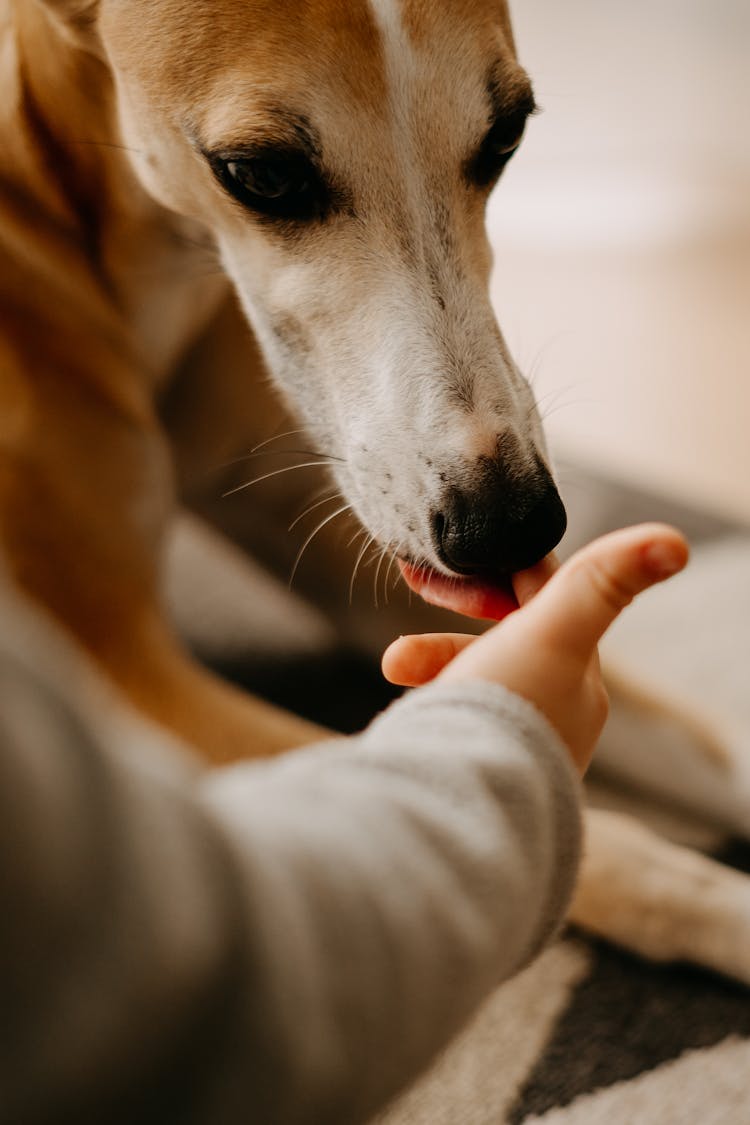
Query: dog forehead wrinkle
[264,125]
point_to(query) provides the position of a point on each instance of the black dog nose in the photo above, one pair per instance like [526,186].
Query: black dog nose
[499,526]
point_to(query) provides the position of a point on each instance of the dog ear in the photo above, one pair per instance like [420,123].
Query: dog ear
[77,18]
[73,11]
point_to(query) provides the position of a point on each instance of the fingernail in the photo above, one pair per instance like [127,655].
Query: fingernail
[664,559]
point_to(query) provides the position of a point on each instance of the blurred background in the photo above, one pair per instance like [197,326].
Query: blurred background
[622,237]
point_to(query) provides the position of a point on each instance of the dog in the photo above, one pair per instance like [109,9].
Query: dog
[337,155]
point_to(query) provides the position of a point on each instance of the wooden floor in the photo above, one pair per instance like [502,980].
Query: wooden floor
[622,236]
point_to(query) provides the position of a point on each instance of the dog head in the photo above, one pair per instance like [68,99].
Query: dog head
[342,152]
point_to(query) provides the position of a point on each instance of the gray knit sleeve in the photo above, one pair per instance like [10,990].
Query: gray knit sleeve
[393,882]
[279,943]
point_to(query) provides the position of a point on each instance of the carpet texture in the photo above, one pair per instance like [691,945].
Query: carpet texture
[588,1034]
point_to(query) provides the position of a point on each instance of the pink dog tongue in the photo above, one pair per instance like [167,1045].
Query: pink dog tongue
[472,597]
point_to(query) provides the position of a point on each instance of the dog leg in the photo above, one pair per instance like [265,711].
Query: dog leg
[660,743]
[665,902]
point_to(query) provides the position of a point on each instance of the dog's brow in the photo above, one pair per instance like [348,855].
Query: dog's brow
[511,96]
[273,128]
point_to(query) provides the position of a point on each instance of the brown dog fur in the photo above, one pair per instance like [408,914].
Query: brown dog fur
[86,485]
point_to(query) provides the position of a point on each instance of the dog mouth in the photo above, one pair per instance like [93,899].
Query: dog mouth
[489,598]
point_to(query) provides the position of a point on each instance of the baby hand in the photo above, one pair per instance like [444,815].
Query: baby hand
[547,650]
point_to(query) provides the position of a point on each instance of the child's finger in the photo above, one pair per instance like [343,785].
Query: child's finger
[582,600]
[417,659]
[527,583]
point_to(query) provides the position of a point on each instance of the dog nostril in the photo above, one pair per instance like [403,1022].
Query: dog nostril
[498,529]
[456,534]
[447,538]
[438,529]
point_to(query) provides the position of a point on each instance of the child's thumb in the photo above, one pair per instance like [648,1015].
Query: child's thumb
[580,602]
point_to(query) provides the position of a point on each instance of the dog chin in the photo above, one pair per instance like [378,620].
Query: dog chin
[490,599]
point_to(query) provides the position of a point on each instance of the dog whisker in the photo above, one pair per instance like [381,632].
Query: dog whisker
[357,534]
[383,554]
[551,393]
[279,453]
[369,540]
[392,552]
[336,495]
[276,437]
[275,473]
[109,144]
[339,511]
[259,451]
[541,355]
[555,394]
[388,574]
[567,405]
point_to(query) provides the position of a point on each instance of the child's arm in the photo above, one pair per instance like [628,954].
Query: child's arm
[283,942]
[277,943]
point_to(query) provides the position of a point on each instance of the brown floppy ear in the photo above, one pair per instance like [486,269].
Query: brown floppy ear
[77,18]
[73,11]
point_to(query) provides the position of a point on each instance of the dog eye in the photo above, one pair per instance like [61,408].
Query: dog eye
[267,179]
[281,185]
[500,144]
[503,149]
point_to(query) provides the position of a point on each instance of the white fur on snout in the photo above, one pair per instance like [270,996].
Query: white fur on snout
[378,385]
